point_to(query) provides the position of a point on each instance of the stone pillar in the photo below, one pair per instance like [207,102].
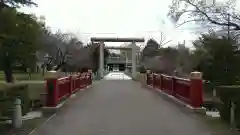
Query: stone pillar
[232,114]
[133,60]
[196,89]
[126,60]
[101,60]
[17,115]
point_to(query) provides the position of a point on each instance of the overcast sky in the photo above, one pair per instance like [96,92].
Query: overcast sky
[111,18]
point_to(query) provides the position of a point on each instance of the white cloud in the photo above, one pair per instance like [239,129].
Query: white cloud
[120,18]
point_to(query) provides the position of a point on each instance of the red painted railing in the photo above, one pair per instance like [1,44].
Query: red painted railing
[64,87]
[189,91]
[61,88]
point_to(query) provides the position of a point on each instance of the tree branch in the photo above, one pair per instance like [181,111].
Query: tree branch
[193,20]
[237,27]
[59,66]
[166,42]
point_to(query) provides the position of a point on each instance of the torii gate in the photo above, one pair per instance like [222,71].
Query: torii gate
[133,48]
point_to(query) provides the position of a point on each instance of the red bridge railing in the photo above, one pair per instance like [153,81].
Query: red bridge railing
[58,89]
[189,91]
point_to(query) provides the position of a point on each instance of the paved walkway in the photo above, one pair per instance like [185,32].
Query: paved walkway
[122,107]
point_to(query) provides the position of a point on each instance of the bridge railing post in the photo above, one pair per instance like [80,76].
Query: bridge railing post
[80,81]
[173,86]
[153,80]
[148,77]
[196,89]
[161,82]
[71,81]
[51,78]
[90,77]
[85,79]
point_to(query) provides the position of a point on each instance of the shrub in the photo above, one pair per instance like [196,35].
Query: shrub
[142,69]
[9,93]
[208,88]
[228,94]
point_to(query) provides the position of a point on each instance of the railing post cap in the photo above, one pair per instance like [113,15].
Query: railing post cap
[90,71]
[51,75]
[195,75]
[74,76]
[17,101]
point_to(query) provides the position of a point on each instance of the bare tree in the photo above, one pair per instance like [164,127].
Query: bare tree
[59,47]
[163,40]
[222,14]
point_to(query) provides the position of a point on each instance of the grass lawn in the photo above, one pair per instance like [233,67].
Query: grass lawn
[23,76]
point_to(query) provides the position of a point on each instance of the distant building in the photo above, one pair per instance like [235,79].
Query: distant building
[128,53]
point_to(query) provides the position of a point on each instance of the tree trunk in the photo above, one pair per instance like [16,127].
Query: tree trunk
[8,75]
[43,69]
[8,70]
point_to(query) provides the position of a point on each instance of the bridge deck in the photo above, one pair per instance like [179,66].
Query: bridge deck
[122,108]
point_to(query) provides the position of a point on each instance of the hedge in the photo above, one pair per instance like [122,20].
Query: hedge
[8,94]
[141,69]
[226,95]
